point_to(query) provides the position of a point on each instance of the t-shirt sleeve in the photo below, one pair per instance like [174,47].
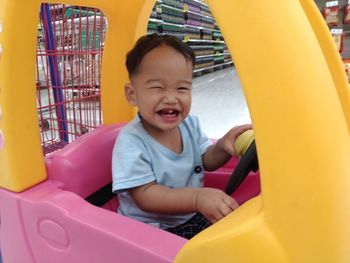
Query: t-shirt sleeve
[203,141]
[131,164]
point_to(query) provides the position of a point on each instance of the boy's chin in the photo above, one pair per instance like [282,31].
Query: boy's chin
[168,126]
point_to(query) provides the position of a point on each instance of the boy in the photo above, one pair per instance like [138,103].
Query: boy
[159,158]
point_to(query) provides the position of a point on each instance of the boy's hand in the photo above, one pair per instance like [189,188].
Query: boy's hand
[221,152]
[214,204]
[227,142]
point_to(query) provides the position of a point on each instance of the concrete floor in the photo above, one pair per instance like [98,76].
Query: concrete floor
[219,102]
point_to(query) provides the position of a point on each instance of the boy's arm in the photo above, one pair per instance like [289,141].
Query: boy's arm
[221,152]
[212,203]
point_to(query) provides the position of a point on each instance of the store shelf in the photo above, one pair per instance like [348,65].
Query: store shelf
[213,55]
[200,27]
[200,2]
[173,8]
[206,41]
[181,25]
[213,67]
[205,56]
[156,20]
[199,14]
[192,22]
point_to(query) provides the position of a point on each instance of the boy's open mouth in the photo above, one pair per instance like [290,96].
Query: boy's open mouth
[168,113]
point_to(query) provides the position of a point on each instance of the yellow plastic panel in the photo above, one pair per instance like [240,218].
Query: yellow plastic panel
[21,160]
[293,84]
[330,51]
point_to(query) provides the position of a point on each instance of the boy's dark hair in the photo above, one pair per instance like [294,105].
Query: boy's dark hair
[148,42]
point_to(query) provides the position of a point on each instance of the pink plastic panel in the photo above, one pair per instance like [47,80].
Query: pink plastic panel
[84,166]
[247,190]
[49,225]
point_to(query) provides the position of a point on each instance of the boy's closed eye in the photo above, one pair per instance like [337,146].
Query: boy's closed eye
[183,88]
[156,88]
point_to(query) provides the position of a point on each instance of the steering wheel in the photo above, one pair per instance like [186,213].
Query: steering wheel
[245,147]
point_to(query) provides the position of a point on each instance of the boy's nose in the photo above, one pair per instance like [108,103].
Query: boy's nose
[170,97]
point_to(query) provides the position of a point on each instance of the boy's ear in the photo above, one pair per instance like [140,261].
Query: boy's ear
[130,94]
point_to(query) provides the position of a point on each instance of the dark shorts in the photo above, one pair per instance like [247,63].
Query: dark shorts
[191,227]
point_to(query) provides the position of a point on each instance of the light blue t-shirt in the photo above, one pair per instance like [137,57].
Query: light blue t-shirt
[139,159]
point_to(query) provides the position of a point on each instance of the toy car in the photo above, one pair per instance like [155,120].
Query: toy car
[298,98]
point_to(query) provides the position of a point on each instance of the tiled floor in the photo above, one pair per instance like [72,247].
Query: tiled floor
[219,103]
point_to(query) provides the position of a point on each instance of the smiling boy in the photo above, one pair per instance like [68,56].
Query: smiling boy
[159,158]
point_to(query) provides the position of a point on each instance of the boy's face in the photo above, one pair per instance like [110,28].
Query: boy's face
[161,89]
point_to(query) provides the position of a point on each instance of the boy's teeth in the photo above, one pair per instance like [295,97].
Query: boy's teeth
[167,111]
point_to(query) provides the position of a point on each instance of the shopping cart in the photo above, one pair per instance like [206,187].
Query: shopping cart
[69,52]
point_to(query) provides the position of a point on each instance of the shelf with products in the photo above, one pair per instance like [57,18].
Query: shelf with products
[174,3]
[215,55]
[203,48]
[337,16]
[199,14]
[177,9]
[192,22]
[209,62]
[172,14]
[205,56]
[212,67]
[161,22]
[205,41]
[201,3]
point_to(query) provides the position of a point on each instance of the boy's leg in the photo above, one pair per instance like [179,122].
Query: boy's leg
[190,228]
